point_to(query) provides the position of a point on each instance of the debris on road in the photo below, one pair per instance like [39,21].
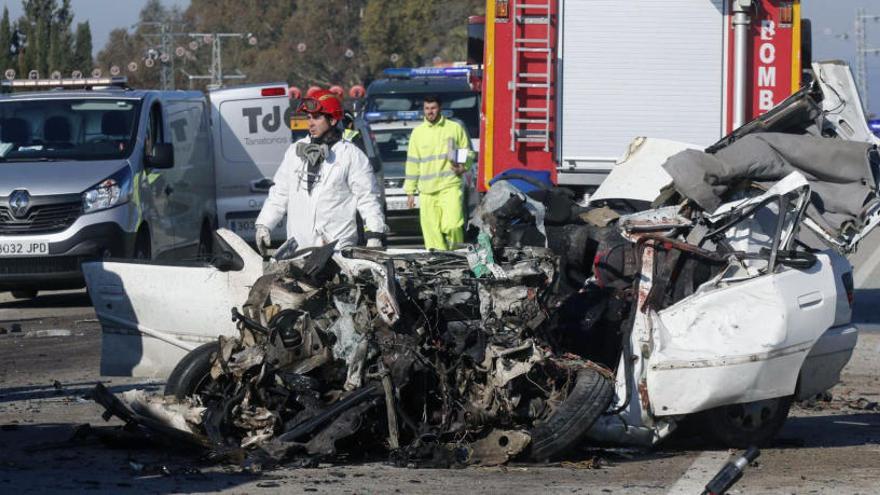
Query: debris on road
[863,404]
[731,472]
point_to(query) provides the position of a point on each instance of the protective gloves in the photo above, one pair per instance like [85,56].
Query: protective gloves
[263,239]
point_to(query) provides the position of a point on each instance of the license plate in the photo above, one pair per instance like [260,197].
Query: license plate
[398,203]
[246,228]
[10,249]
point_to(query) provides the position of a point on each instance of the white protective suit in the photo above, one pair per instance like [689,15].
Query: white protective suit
[346,184]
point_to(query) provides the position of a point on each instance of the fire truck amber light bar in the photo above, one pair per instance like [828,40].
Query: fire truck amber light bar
[67,83]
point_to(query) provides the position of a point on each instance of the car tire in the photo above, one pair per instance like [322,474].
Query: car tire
[562,430]
[743,425]
[25,294]
[192,372]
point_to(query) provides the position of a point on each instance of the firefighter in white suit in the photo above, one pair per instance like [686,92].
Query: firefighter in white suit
[321,184]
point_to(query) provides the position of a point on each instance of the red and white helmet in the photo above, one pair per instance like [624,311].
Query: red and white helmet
[324,102]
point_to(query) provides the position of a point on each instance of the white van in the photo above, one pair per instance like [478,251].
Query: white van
[251,127]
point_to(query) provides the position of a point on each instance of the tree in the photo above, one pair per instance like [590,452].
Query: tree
[302,42]
[6,42]
[322,44]
[141,49]
[414,32]
[43,37]
[82,51]
[61,40]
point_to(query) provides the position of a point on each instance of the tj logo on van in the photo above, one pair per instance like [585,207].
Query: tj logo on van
[271,121]
[19,202]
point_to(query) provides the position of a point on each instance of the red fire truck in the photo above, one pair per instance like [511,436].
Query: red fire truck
[567,84]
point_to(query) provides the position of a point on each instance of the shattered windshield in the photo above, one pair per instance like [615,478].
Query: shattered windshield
[68,129]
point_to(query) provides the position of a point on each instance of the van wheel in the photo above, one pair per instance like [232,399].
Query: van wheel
[142,249]
[192,375]
[743,425]
[25,294]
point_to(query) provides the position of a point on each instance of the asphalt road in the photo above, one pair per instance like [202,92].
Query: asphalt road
[49,351]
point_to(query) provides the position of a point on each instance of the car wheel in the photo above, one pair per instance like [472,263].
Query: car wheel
[562,430]
[24,294]
[193,373]
[743,425]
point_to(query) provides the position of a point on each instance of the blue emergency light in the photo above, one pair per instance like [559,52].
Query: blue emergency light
[410,72]
[874,125]
[399,115]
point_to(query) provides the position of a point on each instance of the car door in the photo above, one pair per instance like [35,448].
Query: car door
[743,336]
[153,313]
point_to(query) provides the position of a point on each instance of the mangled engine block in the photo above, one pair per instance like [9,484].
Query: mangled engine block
[367,352]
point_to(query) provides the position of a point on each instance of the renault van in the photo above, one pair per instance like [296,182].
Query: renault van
[92,169]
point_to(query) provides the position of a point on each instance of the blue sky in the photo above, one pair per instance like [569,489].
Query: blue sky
[833,22]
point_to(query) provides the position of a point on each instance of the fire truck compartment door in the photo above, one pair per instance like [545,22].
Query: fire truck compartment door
[638,69]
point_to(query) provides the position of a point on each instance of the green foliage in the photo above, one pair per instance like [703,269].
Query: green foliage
[82,51]
[7,48]
[297,41]
[127,50]
[42,39]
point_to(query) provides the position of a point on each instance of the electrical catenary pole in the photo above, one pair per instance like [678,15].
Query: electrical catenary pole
[215,74]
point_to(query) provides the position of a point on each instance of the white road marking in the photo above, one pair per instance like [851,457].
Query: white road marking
[699,473]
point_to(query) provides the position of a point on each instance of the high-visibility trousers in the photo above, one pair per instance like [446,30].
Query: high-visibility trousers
[442,218]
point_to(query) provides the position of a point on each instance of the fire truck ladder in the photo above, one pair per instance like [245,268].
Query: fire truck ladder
[530,124]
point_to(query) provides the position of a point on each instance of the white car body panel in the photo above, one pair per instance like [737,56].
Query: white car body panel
[740,343]
[639,175]
[153,314]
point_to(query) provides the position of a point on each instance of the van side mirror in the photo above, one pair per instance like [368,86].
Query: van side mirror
[162,156]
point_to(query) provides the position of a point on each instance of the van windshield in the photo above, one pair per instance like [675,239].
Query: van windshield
[67,129]
[464,106]
[392,145]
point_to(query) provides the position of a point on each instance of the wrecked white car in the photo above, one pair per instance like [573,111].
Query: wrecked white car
[690,288]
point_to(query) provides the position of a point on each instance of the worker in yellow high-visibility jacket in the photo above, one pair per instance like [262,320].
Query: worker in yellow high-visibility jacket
[438,154]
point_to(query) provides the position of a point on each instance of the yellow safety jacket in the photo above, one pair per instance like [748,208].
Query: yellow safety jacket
[430,155]
[350,134]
